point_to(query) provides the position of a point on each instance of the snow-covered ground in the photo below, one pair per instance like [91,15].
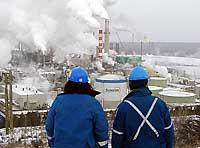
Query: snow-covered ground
[24,135]
[191,66]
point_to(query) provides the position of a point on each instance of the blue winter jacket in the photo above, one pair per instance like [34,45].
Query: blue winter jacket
[76,121]
[128,121]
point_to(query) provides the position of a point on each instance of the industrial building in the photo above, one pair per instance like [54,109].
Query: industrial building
[28,98]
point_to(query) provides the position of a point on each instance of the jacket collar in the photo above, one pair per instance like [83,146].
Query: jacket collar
[91,92]
[139,92]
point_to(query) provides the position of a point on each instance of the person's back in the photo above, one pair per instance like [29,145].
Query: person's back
[76,119]
[73,123]
[142,120]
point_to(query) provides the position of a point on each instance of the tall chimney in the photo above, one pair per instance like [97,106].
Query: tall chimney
[20,46]
[44,60]
[107,37]
[100,50]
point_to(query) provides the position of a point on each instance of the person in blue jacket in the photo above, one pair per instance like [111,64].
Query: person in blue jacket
[142,120]
[76,119]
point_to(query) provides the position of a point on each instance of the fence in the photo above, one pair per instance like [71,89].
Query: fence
[29,127]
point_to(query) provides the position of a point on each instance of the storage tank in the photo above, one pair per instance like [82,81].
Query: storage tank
[113,89]
[197,91]
[155,90]
[158,81]
[171,89]
[175,96]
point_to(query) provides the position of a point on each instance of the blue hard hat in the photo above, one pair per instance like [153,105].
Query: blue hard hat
[79,75]
[138,73]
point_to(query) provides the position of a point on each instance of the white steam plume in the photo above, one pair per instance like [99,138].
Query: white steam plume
[48,23]
[5,52]
[109,2]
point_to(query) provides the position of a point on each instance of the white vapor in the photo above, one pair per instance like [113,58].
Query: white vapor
[109,2]
[5,52]
[66,25]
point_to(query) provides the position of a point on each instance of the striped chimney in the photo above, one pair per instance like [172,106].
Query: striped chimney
[100,49]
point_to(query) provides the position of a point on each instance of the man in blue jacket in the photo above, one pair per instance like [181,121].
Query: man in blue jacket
[142,120]
[76,119]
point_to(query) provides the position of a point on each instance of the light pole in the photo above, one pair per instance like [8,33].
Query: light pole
[8,78]
[132,38]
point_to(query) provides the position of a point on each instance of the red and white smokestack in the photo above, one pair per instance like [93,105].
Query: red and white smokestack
[107,37]
[100,50]
[100,39]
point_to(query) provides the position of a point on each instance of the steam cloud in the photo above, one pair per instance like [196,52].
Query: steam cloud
[5,52]
[65,24]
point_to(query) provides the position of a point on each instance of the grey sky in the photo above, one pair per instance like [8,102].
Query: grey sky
[160,20]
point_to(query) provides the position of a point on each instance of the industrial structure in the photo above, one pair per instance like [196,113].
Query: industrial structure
[113,89]
[28,97]
[107,37]
[28,101]
[103,43]
[180,97]
[155,90]
[158,81]
[100,49]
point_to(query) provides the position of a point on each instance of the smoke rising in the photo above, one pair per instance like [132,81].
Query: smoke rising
[5,52]
[109,2]
[65,25]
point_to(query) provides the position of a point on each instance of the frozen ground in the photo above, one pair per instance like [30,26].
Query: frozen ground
[25,135]
[191,66]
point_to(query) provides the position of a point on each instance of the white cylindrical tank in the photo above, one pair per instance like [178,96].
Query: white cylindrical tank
[155,90]
[175,96]
[158,81]
[197,91]
[113,89]
[171,89]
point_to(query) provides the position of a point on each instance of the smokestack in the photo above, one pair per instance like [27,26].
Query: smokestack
[44,60]
[100,50]
[20,46]
[107,37]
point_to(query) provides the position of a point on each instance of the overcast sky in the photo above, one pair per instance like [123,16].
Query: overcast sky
[160,20]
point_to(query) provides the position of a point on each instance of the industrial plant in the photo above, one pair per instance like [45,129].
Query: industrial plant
[34,78]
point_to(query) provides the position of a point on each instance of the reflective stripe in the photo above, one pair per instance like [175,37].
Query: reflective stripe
[116,112]
[103,143]
[117,132]
[2,114]
[168,127]
[145,119]
[49,138]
